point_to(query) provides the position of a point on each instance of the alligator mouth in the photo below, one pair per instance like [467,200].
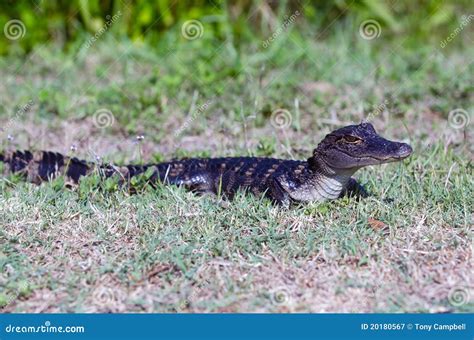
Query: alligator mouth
[388,154]
[403,152]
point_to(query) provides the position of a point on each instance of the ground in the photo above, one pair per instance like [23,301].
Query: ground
[98,248]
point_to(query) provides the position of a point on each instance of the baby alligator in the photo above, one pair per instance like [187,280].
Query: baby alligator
[325,175]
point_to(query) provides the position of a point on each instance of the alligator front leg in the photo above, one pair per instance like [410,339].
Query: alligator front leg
[199,183]
[278,194]
[354,189]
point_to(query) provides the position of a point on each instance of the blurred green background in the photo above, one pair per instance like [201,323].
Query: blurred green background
[63,22]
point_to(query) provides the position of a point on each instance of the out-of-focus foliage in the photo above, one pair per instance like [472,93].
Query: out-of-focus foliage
[63,21]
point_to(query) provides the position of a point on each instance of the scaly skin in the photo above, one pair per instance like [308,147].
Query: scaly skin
[324,176]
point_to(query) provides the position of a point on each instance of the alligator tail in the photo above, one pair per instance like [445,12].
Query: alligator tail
[41,166]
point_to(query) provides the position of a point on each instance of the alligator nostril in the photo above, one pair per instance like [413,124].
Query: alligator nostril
[404,150]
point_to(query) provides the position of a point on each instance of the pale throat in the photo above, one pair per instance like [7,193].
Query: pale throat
[330,187]
[325,183]
[319,187]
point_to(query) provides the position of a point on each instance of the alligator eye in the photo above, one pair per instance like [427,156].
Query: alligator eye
[352,140]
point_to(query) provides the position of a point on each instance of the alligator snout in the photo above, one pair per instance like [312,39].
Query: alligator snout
[404,150]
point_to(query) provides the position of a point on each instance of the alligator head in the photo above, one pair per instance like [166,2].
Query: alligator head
[352,147]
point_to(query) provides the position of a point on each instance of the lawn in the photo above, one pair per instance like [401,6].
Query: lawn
[98,248]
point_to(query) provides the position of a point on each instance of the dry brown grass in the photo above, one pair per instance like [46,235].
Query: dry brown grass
[167,250]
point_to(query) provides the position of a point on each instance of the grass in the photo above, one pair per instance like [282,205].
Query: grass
[96,248]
